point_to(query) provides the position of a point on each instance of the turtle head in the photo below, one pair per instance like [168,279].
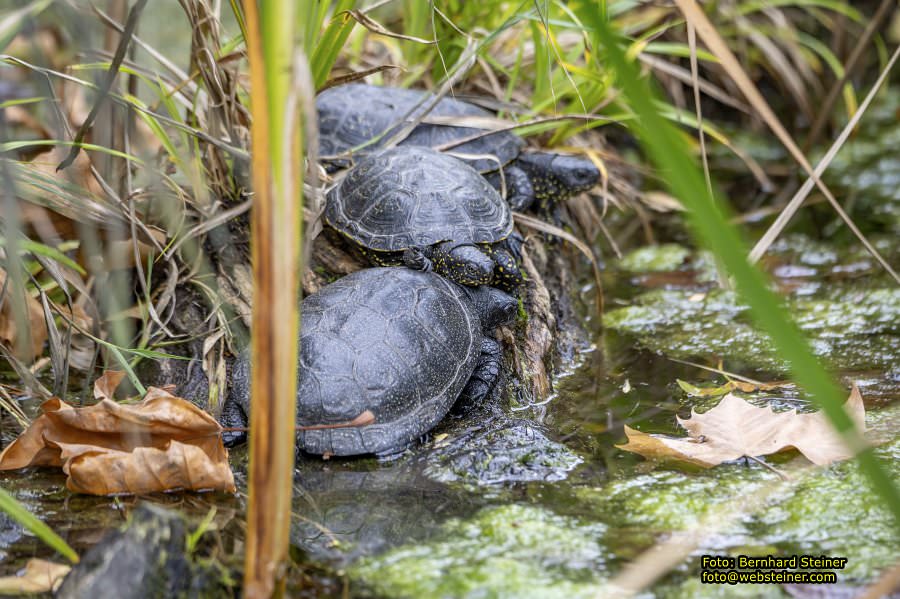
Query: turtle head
[569,174]
[576,173]
[465,263]
[494,307]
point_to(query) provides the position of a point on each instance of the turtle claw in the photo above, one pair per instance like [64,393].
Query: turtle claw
[416,259]
[233,417]
[507,275]
[513,244]
[519,190]
[233,438]
[483,379]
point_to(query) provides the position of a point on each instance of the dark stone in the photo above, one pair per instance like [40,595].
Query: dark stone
[501,450]
[145,558]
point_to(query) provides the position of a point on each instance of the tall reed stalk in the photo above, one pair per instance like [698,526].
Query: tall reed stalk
[276,230]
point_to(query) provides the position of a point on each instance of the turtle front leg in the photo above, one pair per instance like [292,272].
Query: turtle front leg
[513,244]
[418,258]
[464,263]
[483,378]
[233,417]
[519,190]
[508,275]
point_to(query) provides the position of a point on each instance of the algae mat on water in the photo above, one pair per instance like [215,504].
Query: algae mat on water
[841,300]
[507,551]
[529,551]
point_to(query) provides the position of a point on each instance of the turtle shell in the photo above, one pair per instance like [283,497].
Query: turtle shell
[411,196]
[398,343]
[352,114]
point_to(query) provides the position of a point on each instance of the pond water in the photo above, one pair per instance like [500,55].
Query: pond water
[536,501]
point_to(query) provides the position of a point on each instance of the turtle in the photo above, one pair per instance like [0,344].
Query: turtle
[351,115]
[384,354]
[415,206]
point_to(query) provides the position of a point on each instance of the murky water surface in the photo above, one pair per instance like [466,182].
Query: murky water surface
[538,501]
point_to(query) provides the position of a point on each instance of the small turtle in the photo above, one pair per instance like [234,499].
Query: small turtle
[415,206]
[353,114]
[384,354]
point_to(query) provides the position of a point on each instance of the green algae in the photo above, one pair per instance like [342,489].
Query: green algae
[664,501]
[506,551]
[504,451]
[655,258]
[791,256]
[869,169]
[517,550]
[835,514]
[693,588]
[853,330]
[675,324]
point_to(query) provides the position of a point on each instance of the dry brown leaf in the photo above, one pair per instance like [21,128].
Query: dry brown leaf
[748,387]
[9,328]
[106,385]
[661,202]
[376,27]
[40,576]
[78,173]
[162,443]
[735,428]
[731,385]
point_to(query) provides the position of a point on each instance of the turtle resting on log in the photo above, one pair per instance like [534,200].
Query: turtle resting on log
[384,355]
[415,206]
[353,114]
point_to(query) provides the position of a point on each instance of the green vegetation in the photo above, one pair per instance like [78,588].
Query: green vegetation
[140,251]
[852,332]
[508,551]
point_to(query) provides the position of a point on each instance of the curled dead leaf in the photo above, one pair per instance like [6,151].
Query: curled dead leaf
[162,443]
[177,466]
[11,332]
[731,385]
[106,385]
[735,428]
[40,576]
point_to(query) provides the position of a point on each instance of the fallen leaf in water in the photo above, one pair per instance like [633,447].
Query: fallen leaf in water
[730,386]
[40,576]
[10,331]
[758,386]
[735,428]
[162,443]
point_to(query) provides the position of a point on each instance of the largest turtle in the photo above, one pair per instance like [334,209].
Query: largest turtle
[384,354]
[352,115]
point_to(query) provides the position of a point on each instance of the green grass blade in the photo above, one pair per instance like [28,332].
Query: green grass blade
[14,21]
[17,512]
[34,247]
[709,220]
[332,41]
[12,146]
